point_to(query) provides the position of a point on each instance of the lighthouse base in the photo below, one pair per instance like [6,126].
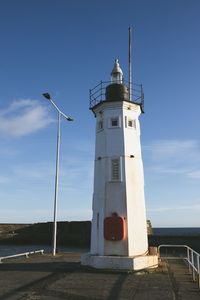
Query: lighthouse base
[120,263]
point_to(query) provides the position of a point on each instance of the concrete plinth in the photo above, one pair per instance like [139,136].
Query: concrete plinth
[118,263]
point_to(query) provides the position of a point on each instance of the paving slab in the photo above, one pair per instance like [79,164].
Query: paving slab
[43,277]
[181,279]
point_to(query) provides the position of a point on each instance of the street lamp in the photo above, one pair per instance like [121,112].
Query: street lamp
[60,113]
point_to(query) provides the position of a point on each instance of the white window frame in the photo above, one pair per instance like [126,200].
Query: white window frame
[114,118]
[133,122]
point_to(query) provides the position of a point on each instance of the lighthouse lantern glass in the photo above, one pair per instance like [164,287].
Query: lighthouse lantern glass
[117,74]
[116,78]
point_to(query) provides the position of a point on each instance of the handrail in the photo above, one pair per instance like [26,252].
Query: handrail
[21,254]
[99,84]
[192,258]
[97,94]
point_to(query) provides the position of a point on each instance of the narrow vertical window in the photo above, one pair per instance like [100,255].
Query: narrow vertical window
[126,121]
[100,125]
[97,220]
[115,169]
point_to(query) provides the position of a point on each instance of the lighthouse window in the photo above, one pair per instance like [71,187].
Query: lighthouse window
[100,125]
[131,123]
[114,122]
[115,169]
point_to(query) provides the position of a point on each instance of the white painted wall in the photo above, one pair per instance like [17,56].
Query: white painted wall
[125,197]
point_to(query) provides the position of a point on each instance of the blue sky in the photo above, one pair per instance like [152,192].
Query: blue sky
[66,47]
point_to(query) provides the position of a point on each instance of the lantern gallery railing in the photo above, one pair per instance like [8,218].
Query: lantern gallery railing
[98,93]
[190,256]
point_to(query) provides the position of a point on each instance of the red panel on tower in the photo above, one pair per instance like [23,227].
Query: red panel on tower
[114,228]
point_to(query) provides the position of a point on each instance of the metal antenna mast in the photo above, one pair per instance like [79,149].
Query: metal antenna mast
[129,63]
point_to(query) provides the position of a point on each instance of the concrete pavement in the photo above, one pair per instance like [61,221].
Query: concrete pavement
[43,277]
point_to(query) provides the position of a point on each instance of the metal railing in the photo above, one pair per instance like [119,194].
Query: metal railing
[192,258]
[21,254]
[98,93]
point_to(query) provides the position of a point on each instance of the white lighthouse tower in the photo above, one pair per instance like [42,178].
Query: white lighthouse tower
[119,230]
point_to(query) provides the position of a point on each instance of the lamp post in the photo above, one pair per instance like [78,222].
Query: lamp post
[60,113]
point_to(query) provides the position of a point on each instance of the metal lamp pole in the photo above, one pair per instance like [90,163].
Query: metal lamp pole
[60,113]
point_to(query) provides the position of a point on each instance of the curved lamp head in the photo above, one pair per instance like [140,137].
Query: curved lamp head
[47,96]
[70,119]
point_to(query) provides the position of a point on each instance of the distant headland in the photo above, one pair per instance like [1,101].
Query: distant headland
[77,233]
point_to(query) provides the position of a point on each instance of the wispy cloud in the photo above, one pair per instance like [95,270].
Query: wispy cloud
[175,157]
[33,171]
[4,180]
[194,174]
[43,215]
[173,208]
[167,170]
[23,117]
[169,149]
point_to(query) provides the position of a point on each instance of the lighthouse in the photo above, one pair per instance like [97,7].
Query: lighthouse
[119,230]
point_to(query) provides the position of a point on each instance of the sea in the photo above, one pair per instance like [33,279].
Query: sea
[6,250]
[178,231]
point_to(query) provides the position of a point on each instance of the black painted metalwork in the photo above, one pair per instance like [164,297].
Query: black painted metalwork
[98,94]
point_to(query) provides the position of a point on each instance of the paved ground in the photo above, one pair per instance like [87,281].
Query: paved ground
[47,278]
